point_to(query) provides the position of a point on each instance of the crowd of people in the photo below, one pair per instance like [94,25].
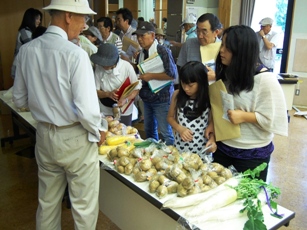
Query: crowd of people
[69,90]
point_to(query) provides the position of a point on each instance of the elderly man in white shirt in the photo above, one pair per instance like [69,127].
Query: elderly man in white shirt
[56,82]
[268,41]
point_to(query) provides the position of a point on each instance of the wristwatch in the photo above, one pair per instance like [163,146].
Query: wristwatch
[263,36]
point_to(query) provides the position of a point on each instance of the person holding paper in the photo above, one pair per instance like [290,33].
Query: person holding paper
[207,29]
[110,74]
[156,104]
[258,100]
[189,113]
[124,19]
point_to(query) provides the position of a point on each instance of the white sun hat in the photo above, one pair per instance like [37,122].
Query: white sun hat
[74,6]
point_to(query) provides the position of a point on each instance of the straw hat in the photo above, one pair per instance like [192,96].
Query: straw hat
[74,6]
[159,31]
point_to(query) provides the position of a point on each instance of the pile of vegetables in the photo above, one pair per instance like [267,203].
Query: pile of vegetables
[240,196]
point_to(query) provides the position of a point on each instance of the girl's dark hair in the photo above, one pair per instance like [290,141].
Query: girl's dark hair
[107,22]
[242,42]
[191,72]
[29,18]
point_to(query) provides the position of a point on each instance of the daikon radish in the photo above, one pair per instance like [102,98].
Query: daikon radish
[220,199]
[191,200]
[228,212]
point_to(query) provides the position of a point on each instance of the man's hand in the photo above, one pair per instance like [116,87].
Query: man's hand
[145,77]
[102,137]
[261,33]
[113,95]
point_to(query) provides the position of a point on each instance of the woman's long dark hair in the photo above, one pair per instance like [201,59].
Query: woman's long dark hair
[194,72]
[29,18]
[242,42]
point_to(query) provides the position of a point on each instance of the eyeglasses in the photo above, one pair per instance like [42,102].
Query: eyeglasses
[202,31]
[87,18]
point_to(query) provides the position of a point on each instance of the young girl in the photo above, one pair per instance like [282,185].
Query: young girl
[189,112]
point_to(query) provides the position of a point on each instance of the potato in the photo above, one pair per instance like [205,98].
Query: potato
[213,175]
[113,153]
[155,160]
[226,173]
[204,188]
[140,176]
[175,171]
[161,191]
[181,191]
[113,123]
[193,190]
[135,170]
[109,118]
[120,169]
[123,161]
[152,171]
[145,164]
[128,169]
[219,180]
[162,179]
[133,160]
[180,178]
[153,185]
[216,167]
[118,132]
[172,187]
[206,179]
[187,183]
[121,151]
[161,165]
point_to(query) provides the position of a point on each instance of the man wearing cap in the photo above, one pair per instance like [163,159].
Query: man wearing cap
[189,25]
[207,28]
[56,82]
[268,40]
[156,105]
[110,73]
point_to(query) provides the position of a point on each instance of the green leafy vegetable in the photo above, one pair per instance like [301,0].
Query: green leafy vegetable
[248,189]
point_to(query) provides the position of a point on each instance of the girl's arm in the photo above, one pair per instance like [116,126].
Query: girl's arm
[209,134]
[238,116]
[185,133]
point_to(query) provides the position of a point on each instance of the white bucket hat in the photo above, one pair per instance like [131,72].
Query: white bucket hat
[74,6]
[190,19]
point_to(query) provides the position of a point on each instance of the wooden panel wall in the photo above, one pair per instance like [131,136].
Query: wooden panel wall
[133,6]
[160,12]
[224,12]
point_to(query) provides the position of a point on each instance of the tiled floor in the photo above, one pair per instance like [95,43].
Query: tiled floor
[18,178]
